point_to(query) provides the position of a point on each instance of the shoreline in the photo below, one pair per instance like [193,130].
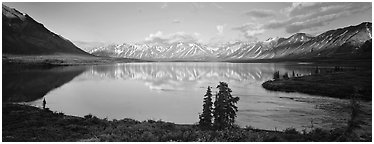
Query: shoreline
[63,60]
[28,123]
[344,84]
[354,85]
[70,59]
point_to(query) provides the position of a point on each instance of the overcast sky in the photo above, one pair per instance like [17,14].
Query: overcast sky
[202,22]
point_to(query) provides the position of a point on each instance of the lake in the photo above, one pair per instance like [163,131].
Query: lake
[173,91]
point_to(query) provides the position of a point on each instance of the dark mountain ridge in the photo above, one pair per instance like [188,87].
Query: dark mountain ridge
[22,35]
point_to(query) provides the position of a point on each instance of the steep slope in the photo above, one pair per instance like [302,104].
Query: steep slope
[228,49]
[187,51]
[285,46]
[340,43]
[246,51]
[22,35]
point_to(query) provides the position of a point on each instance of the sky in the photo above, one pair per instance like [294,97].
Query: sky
[130,22]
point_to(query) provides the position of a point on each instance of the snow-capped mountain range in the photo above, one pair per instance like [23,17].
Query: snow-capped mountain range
[352,41]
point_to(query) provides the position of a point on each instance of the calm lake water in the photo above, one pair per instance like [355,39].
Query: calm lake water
[174,92]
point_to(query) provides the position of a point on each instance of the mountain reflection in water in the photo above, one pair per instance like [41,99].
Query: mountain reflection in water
[170,76]
[21,84]
[174,92]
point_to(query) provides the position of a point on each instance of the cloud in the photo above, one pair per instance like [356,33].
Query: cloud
[220,29]
[310,16]
[261,13]
[300,8]
[164,5]
[161,38]
[250,30]
[196,34]
[304,8]
[312,23]
[177,21]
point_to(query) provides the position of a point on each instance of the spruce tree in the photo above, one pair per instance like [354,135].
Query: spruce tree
[225,108]
[276,75]
[285,76]
[206,117]
[317,70]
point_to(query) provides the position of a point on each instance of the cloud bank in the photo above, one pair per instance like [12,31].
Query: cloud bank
[161,38]
[303,16]
[250,30]
[299,17]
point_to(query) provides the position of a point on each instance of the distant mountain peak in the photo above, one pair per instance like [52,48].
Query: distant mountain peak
[296,35]
[339,42]
[272,39]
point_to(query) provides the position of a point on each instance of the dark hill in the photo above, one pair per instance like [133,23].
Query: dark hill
[22,35]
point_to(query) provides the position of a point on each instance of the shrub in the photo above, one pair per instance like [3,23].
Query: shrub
[291,131]
[148,137]
[88,116]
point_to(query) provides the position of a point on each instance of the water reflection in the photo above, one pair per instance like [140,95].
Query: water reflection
[173,92]
[23,84]
[170,76]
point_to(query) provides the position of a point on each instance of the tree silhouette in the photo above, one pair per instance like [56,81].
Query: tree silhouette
[276,75]
[285,76]
[225,108]
[44,103]
[206,117]
[316,71]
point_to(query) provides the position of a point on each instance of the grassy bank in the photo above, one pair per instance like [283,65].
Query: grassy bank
[336,84]
[62,60]
[27,123]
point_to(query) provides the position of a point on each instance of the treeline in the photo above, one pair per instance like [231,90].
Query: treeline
[317,70]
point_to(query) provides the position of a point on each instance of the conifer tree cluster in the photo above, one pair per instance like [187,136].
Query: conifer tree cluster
[223,113]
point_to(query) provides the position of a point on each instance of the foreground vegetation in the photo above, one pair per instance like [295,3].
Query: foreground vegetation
[27,123]
[340,84]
